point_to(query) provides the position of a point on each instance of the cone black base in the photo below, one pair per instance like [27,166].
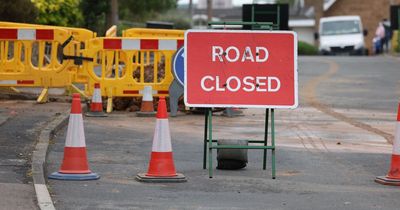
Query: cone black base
[387,181]
[74,177]
[95,114]
[146,114]
[174,179]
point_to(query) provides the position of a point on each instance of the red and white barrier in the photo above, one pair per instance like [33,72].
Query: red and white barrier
[17,82]
[142,44]
[26,34]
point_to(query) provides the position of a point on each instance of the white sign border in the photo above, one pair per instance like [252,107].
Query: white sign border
[296,102]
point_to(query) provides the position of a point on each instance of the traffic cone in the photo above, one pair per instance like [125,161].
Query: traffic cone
[96,105]
[393,177]
[161,167]
[147,108]
[75,164]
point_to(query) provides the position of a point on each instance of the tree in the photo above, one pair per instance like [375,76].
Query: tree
[58,12]
[95,14]
[141,10]
[18,11]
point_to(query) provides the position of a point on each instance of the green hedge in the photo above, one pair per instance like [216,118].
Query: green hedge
[304,48]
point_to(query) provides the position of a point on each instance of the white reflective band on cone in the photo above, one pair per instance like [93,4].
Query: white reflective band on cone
[96,96]
[162,138]
[147,93]
[396,143]
[75,132]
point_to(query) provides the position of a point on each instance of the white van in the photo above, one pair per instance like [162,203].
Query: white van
[341,35]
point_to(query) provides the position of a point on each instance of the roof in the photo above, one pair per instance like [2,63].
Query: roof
[328,4]
[348,17]
[301,22]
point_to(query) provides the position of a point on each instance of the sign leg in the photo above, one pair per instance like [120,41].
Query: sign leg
[210,158]
[205,139]
[273,142]
[265,138]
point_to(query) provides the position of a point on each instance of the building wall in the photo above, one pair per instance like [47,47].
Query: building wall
[370,11]
[305,34]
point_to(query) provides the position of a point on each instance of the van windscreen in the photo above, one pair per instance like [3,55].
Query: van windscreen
[340,27]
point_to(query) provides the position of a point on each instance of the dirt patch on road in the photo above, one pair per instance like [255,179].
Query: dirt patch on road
[311,98]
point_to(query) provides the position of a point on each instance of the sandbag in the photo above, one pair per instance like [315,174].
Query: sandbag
[232,159]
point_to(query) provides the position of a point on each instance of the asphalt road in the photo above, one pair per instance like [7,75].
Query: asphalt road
[329,150]
[20,123]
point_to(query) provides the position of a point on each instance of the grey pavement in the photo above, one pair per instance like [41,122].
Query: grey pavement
[308,178]
[20,123]
[329,150]
[324,160]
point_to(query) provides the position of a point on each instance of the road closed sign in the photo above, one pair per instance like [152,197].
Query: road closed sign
[225,68]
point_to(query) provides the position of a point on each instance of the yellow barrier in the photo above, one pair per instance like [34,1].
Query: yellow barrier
[50,56]
[153,33]
[73,50]
[112,31]
[136,63]
[395,40]
[32,57]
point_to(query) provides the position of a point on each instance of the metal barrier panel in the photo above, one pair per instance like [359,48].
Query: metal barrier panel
[134,64]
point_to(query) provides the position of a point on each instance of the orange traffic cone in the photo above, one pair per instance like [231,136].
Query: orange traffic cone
[147,108]
[75,164]
[161,167]
[393,177]
[96,105]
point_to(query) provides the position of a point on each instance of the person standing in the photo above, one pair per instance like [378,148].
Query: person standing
[379,38]
[388,35]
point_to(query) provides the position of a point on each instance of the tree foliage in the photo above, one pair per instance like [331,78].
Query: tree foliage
[91,14]
[18,11]
[95,14]
[141,10]
[58,12]
[180,19]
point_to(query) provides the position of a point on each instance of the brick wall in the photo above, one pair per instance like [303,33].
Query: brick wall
[370,11]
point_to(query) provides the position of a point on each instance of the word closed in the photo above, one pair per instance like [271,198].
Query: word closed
[240,69]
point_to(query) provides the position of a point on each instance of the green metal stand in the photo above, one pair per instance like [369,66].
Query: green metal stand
[210,143]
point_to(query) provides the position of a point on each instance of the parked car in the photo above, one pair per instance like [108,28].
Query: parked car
[340,35]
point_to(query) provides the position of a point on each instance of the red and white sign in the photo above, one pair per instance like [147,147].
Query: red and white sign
[241,69]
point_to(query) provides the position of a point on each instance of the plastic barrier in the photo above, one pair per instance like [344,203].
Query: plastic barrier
[112,31]
[135,63]
[175,89]
[74,44]
[33,58]
[153,33]
[395,41]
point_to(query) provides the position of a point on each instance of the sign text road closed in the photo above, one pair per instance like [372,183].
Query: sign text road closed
[241,69]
